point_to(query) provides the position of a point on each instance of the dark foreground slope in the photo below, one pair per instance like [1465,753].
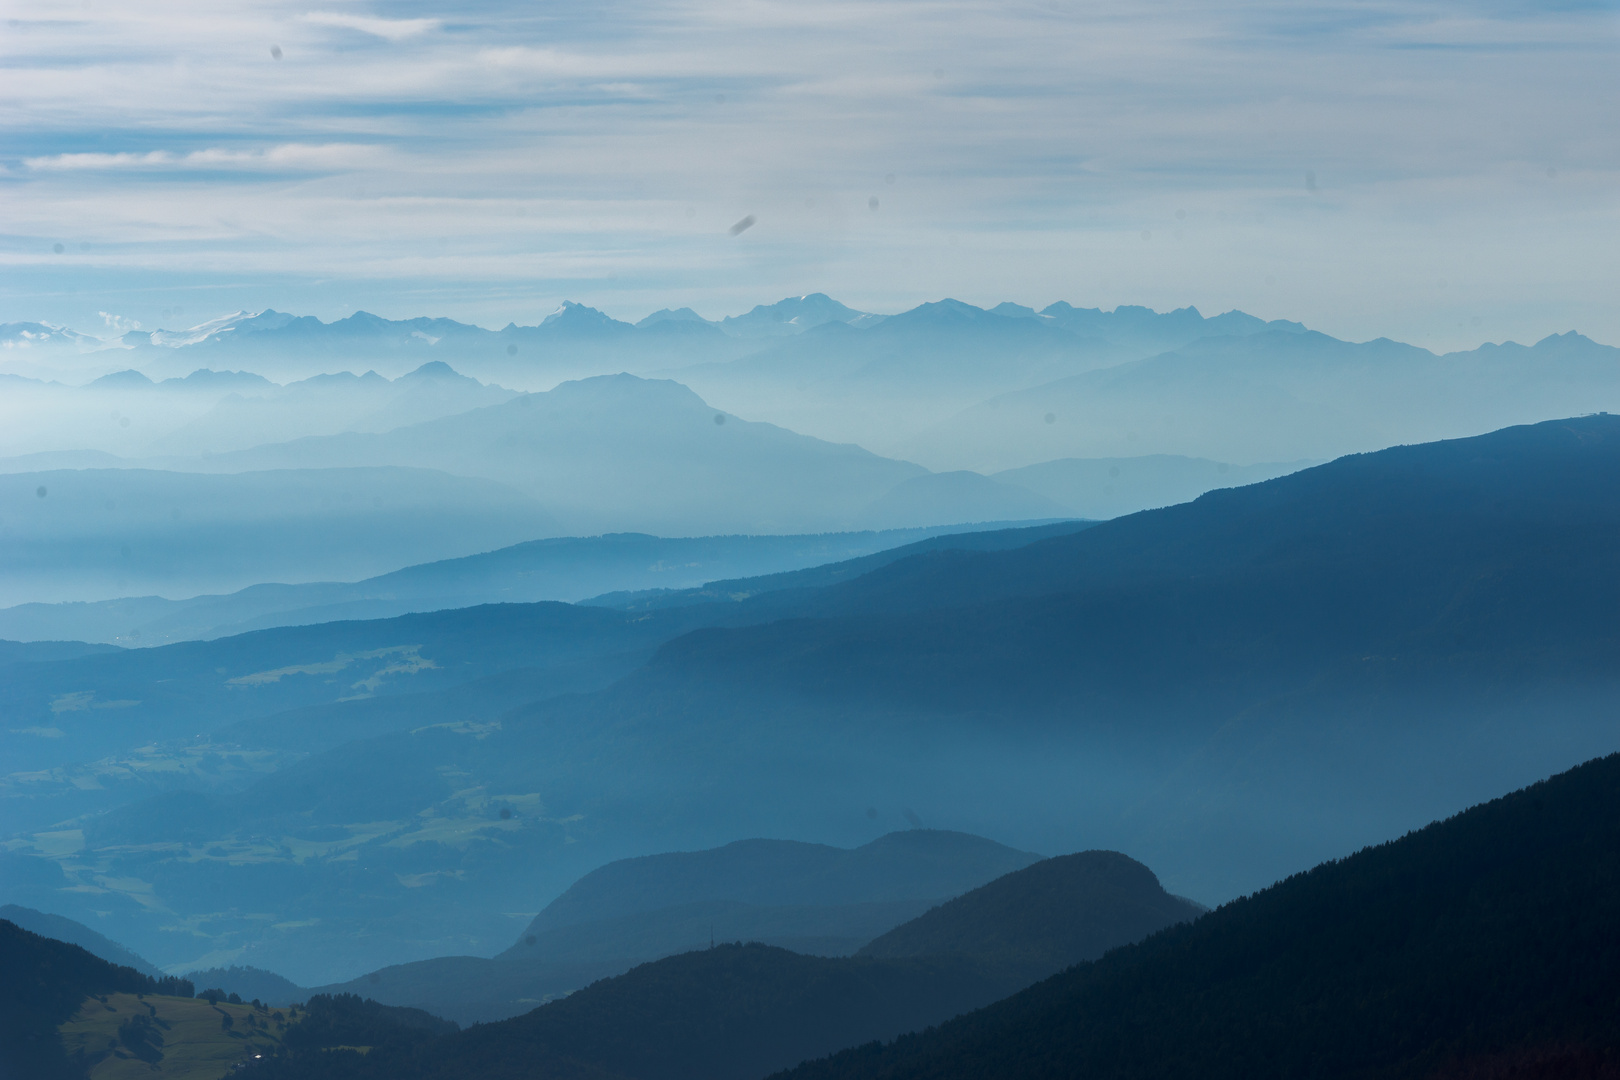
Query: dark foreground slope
[1045,917]
[735,1011]
[1485,945]
[42,982]
[75,933]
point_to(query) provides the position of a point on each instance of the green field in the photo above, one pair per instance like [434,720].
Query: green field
[125,1036]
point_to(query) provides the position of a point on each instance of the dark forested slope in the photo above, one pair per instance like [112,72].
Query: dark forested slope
[42,982]
[734,1012]
[1484,943]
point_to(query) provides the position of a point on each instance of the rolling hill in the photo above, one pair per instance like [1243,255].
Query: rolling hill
[1483,945]
[811,898]
[558,568]
[42,986]
[1048,916]
[1229,689]
[742,1010]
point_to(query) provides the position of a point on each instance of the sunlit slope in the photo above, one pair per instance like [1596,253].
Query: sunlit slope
[1485,945]
[43,983]
[125,1037]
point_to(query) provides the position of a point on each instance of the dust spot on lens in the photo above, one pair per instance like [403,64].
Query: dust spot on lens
[872,203]
[1050,418]
[39,492]
[719,419]
[531,940]
[275,52]
[871,812]
[511,350]
[123,421]
[743,226]
[58,248]
[1113,470]
[506,813]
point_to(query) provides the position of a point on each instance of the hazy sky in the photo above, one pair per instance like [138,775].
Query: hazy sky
[1444,173]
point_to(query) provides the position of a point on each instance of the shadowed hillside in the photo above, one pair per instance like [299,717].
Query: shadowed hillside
[811,898]
[42,983]
[1478,946]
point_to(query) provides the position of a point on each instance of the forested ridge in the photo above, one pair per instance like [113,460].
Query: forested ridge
[44,983]
[1484,945]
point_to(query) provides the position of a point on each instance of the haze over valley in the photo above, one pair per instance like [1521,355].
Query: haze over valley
[883,541]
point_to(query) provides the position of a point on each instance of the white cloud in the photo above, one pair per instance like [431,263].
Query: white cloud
[1033,142]
[387,29]
[290,156]
[117,323]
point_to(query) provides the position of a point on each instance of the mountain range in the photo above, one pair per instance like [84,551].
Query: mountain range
[1480,945]
[1227,688]
[560,568]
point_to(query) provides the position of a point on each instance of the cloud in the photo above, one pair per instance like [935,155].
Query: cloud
[387,29]
[290,156]
[532,151]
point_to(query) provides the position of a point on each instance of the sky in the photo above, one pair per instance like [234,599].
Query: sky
[1439,173]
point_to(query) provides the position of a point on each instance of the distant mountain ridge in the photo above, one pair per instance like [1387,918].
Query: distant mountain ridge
[1275,396]
[1227,688]
[558,568]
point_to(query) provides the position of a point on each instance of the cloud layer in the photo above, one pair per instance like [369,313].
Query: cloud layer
[1442,172]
